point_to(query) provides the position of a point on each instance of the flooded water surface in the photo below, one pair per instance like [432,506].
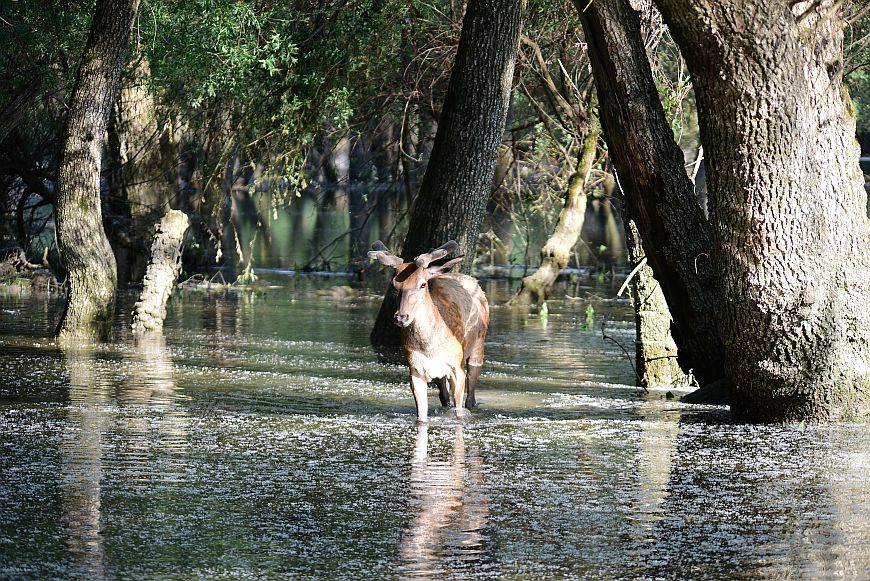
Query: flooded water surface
[264,438]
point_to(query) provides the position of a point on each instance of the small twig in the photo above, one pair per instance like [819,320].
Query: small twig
[630,276]
[696,260]
[607,337]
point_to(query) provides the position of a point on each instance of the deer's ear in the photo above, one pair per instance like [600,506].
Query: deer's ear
[444,267]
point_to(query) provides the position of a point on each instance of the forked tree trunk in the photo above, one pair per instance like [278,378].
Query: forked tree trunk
[557,250]
[456,187]
[659,195]
[786,201]
[82,241]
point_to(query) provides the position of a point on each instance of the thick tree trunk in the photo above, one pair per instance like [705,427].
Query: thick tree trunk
[659,195]
[149,150]
[786,201]
[145,153]
[163,269]
[456,187]
[82,241]
[557,250]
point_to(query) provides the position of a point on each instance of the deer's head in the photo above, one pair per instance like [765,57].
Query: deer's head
[412,278]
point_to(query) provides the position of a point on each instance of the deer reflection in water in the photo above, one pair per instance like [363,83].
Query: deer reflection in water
[452,509]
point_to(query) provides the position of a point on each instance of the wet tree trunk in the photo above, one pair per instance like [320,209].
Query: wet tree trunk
[655,349]
[82,241]
[557,250]
[659,195]
[163,269]
[786,202]
[457,183]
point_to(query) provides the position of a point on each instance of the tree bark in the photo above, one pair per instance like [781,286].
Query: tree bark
[557,250]
[145,152]
[163,269]
[82,241]
[457,183]
[659,195]
[786,202]
[655,349]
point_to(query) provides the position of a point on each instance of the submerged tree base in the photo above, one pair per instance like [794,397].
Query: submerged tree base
[163,270]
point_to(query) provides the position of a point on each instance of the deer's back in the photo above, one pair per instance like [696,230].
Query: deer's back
[462,304]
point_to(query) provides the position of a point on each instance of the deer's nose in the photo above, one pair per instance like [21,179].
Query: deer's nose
[402,319]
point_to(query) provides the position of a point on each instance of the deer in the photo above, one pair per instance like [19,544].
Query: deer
[443,319]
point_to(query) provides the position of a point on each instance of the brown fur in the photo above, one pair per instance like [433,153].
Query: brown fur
[444,319]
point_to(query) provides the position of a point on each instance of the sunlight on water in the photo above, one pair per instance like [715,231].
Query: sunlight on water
[263,438]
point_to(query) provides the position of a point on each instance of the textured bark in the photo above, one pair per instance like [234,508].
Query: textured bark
[82,241]
[786,201]
[163,269]
[146,153]
[655,349]
[456,186]
[658,194]
[557,250]
[149,152]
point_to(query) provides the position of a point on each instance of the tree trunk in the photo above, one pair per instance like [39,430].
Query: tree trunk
[149,151]
[145,156]
[457,183]
[659,195]
[655,349]
[82,241]
[557,250]
[786,202]
[359,194]
[163,270]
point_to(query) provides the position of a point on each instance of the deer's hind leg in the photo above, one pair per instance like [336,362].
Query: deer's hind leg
[474,361]
[471,378]
[443,392]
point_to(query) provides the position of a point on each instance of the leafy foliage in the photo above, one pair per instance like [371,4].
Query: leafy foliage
[277,71]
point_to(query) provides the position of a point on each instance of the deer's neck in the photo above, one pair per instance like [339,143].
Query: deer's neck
[423,333]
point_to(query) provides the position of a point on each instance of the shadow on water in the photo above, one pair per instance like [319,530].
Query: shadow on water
[264,438]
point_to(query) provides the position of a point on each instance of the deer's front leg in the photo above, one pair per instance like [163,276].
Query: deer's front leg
[457,383]
[419,389]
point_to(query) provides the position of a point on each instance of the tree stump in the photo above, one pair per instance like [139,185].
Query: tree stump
[163,269]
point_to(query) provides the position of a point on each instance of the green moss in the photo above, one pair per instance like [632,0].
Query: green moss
[848,105]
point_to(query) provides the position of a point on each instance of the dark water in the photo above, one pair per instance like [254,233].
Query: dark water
[264,439]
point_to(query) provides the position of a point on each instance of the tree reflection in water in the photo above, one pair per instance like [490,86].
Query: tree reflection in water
[82,461]
[136,402]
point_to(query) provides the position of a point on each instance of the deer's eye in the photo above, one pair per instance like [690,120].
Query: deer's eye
[423,285]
